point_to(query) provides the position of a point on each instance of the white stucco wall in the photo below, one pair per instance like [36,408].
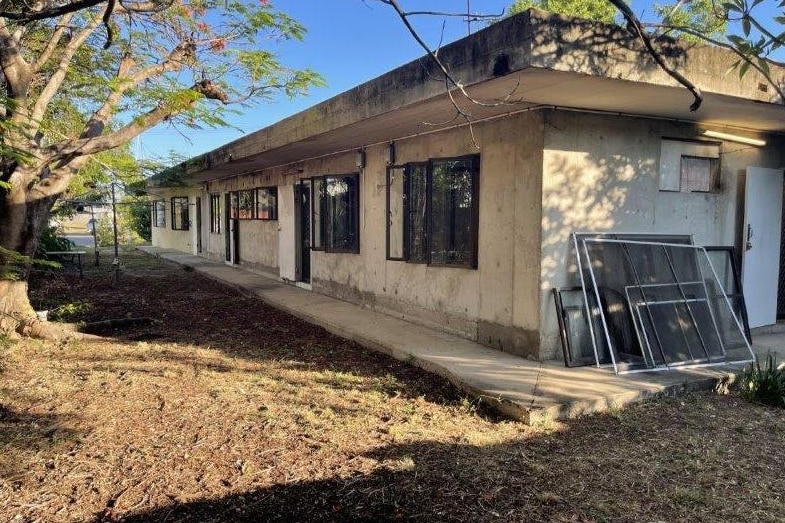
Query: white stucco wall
[179,240]
[601,173]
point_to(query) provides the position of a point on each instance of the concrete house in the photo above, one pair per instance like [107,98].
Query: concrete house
[385,196]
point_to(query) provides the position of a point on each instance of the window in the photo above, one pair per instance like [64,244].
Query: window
[689,165]
[234,205]
[180,220]
[245,205]
[339,213]
[159,214]
[215,213]
[267,203]
[433,212]
[317,236]
[698,173]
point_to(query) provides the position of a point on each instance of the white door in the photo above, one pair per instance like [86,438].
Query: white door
[761,244]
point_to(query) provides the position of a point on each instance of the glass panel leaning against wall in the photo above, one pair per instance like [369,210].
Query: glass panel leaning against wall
[439,205]
[267,203]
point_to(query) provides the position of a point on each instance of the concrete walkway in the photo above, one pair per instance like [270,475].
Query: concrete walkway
[523,389]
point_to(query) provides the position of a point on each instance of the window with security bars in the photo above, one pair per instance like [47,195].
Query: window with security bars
[433,212]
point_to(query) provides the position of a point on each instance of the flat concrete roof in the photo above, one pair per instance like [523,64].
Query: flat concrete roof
[530,61]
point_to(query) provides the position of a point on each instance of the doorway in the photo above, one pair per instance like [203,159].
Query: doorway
[302,196]
[761,241]
[198,225]
[232,235]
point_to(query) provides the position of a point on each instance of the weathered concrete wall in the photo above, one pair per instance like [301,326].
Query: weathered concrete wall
[179,240]
[258,239]
[497,304]
[601,173]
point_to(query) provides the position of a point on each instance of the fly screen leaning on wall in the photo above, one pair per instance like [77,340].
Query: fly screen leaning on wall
[658,306]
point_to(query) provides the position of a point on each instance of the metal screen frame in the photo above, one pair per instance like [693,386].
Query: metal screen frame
[686,238]
[644,347]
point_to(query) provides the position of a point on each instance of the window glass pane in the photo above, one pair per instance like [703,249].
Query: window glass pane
[215,213]
[180,213]
[234,205]
[267,203]
[159,214]
[452,209]
[341,198]
[317,239]
[395,213]
[245,205]
[416,222]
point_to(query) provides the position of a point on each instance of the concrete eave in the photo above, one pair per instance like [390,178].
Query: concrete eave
[532,60]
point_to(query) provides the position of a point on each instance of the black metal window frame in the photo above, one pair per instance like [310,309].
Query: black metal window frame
[418,237]
[215,213]
[159,213]
[320,185]
[266,203]
[180,218]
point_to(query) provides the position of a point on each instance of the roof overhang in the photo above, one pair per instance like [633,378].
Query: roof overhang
[527,62]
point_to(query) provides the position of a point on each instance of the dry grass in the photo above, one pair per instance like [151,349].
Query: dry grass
[227,410]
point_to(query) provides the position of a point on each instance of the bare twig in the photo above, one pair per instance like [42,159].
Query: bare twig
[635,26]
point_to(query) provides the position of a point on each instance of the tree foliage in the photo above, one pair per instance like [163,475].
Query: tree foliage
[81,78]
[597,10]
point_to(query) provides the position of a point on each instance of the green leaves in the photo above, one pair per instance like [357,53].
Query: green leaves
[765,384]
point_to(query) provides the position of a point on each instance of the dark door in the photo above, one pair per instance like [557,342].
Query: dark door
[198,225]
[303,195]
[232,229]
[228,226]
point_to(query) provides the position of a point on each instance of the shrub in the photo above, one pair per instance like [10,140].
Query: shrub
[765,384]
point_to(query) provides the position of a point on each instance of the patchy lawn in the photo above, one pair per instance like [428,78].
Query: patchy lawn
[224,409]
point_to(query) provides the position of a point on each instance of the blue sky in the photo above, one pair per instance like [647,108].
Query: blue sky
[348,42]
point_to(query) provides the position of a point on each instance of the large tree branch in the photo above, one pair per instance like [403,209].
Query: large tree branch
[57,78]
[448,76]
[26,16]
[173,62]
[51,45]
[752,63]
[64,153]
[15,69]
[635,26]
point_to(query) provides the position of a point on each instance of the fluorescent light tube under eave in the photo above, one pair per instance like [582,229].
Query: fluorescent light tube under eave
[735,138]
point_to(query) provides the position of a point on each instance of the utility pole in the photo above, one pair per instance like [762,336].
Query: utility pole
[116,261]
[94,231]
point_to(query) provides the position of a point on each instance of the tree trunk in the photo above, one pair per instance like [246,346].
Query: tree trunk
[21,219]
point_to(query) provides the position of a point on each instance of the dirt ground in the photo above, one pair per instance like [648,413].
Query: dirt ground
[215,407]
